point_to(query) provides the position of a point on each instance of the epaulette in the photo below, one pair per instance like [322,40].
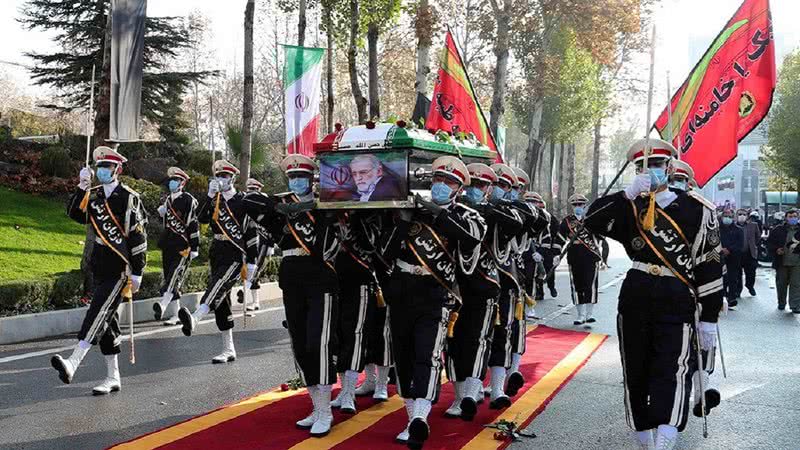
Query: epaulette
[130,190]
[703,201]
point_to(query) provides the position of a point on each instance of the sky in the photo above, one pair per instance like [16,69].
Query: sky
[685,28]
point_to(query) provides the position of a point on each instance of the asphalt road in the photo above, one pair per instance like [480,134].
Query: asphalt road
[173,380]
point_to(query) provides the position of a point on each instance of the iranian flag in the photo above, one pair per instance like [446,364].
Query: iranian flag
[454,106]
[301,81]
[727,94]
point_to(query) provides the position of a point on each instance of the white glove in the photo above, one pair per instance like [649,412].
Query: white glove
[556,261]
[162,210]
[708,335]
[537,257]
[251,272]
[136,281]
[193,255]
[213,188]
[640,184]
[85,179]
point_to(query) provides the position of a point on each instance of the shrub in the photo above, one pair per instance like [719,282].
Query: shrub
[198,161]
[56,162]
[63,291]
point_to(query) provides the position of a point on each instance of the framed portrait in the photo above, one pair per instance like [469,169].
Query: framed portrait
[363,179]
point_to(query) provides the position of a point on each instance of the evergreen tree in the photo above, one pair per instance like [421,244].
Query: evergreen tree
[81,30]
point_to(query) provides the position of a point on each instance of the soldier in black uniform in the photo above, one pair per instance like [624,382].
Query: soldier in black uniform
[358,299]
[426,246]
[500,357]
[232,255]
[265,244]
[468,349]
[117,262]
[546,249]
[309,242]
[672,291]
[583,257]
[179,242]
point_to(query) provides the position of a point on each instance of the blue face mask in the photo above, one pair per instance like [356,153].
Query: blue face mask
[105,175]
[727,220]
[474,194]
[174,185]
[497,193]
[299,185]
[440,193]
[679,185]
[658,176]
[792,221]
[514,194]
[579,211]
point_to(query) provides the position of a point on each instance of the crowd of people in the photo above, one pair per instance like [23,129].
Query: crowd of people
[445,286]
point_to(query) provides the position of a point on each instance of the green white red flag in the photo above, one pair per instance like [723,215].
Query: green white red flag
[301,82]
[454,105]
[726,95]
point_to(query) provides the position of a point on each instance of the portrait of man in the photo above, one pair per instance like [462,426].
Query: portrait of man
[372,180]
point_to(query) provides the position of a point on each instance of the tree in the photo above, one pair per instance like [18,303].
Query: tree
[502,11]
[424,20]
[247,101]
[301,23]
[377,15]
[784,134]
[82,31]
[352,54]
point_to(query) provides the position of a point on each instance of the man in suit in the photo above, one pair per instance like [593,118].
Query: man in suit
[784,248]
[752,237]
[372,181]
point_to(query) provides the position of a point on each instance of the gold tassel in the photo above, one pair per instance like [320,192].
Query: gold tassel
[127,291]
[519,311]
[497,317]
[451,323]
[184,253]
[650,216]
[243,272]
[529,301]
[215,215]
[379,297]
[85,202]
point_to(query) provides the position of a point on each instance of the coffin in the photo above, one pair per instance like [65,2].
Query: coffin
[382,165]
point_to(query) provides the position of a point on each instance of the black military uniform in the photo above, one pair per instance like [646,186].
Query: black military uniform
[357,299]
[549,250]
[675,279]
[265,244]
[117,262]
[584,258]
[235,244]
[469,349]
[178,242]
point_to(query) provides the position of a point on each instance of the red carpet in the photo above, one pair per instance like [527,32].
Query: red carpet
[266,421]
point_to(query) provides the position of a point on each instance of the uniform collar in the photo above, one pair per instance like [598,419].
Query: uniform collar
[109,188]
[175,195]
[229,193]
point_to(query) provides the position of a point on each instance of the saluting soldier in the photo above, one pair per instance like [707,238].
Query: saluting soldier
[427,245]
[468,350]
[232,256]
[265,244]
[117,262]
[309,242]
[675,281]
[358,300]
[583,257]
[179,242]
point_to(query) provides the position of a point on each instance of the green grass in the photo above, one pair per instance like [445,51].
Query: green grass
[37,239]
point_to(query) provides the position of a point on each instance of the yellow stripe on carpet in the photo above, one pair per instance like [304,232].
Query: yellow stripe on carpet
[198,424]
[538,393]
[352,426]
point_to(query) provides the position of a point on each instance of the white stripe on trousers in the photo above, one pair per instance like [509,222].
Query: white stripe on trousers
[628,408]
[482,341]
[325,339]
[388,357]
[100,319]
[212,295]
[680,376]
[436,355]
[175,274]
[355,361]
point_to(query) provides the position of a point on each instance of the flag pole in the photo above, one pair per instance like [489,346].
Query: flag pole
[90,118]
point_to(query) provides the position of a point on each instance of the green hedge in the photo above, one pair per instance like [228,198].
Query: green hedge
[64,290]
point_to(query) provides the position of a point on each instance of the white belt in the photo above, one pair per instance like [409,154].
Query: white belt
[220,237]
[295,252]
[412,269]
[653,269]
